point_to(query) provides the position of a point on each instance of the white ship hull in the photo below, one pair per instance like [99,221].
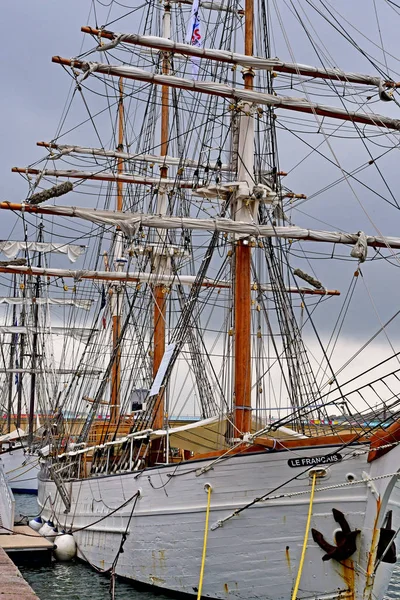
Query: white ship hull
[21,469]
[254,555]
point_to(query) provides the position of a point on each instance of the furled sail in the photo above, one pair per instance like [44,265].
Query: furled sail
[64,149]
[81,334]
[84,304]
[131,222]
[11,248]
[253,62]
[238,94]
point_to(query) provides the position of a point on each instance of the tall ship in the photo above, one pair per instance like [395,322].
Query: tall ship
[230,177]
[36,331]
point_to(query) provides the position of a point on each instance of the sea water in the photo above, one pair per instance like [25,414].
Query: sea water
[77,581]
[72,580]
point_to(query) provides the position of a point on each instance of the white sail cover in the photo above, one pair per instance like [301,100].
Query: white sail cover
[11,249]
[204,436]
[13,435]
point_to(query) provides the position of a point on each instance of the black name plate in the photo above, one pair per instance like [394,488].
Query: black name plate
[315,460]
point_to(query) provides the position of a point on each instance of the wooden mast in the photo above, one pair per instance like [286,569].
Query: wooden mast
[116,291]
[159,291]
[242,283]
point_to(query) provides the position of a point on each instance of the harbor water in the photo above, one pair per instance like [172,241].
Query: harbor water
[77,581]
[72,580]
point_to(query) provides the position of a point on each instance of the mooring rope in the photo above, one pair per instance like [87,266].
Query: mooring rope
[303,552]
[203,558]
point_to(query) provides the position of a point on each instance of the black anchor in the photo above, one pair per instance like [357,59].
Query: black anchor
[386,538]
[345,539]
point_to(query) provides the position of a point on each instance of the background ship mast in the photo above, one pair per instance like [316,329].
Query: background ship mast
[34,351]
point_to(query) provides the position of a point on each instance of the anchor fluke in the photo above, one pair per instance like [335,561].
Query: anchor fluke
[345,539]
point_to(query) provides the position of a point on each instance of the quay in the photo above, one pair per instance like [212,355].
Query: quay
[22,542]
[12,585]
[26,546]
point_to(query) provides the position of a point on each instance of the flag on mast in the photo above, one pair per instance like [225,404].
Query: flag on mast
[194,37]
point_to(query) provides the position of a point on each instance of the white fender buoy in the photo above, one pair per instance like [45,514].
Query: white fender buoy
[36,523]
[65,547]
[48,531]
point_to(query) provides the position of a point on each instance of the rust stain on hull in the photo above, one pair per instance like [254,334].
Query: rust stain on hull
[372,553]
[156,580]
[346,570]
[287,555]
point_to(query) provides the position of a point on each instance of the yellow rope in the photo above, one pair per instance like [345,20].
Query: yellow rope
[303,552]
[203,558]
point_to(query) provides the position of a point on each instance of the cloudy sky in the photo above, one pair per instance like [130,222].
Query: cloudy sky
[33,89]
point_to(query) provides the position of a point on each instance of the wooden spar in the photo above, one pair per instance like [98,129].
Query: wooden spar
[225,91]
[116,293]
[149,277]
[118,276]
[138,157]
[223,188]
[242,280]
[160,292]
[270,64]
[218,191]
[107,176]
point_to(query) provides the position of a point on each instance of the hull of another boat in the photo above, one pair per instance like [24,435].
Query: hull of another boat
[21,470]
[254,555]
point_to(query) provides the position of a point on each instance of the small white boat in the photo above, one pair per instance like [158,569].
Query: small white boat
[21,467]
